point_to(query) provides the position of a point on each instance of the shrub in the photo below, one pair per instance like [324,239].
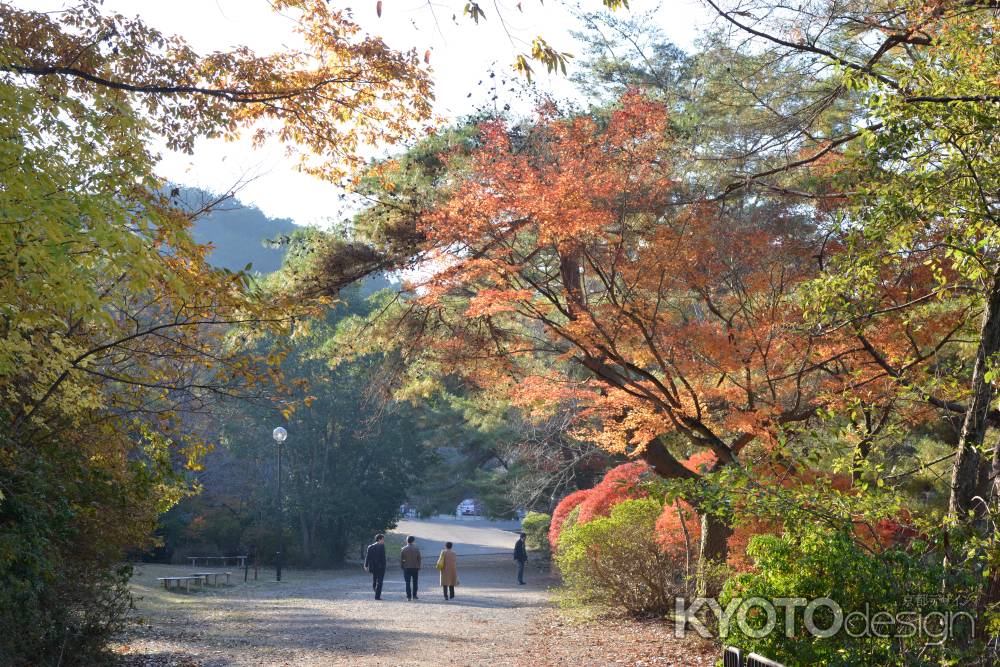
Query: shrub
[536,526]
[620,483]
[65,523]
[616,562]
[568,504]
[820,562]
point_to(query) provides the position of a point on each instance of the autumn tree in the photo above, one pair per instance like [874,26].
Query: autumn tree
[561,265]
[918,118]
[334,91]
[117,336]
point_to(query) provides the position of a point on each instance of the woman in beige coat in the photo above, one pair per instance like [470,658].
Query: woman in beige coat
[449,571]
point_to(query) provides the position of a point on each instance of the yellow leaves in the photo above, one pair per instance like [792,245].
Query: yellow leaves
[418,390]
[320,101]
[473,11]
[544,53]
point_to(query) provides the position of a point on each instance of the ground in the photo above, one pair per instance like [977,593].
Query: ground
[317,618]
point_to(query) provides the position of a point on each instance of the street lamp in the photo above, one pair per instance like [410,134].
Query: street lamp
[280,434]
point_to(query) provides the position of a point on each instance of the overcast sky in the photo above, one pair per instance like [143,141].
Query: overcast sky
[462,56]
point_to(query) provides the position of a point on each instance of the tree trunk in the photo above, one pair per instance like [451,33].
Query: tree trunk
[965,478]
[715,532]
[712,551]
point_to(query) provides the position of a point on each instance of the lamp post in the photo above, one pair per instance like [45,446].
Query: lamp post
[279,435]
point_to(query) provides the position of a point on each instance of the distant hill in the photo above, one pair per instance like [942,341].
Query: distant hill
[237,233]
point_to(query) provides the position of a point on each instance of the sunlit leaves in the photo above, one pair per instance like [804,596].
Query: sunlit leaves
[339,91]
[473,11]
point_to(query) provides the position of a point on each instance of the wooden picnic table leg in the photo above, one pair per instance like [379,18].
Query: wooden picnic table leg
[227,578]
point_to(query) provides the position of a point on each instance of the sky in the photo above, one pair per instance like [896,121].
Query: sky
[462,55]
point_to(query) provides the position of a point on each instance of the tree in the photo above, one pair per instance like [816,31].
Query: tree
[922,121]
[116,334]
[563,268]
[351,458]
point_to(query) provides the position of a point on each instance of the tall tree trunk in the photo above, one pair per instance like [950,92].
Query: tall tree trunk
[712,551]
[966,480]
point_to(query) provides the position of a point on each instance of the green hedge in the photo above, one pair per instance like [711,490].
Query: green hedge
[819,562]
[536,526]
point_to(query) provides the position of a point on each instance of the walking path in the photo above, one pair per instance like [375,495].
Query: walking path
[330,618]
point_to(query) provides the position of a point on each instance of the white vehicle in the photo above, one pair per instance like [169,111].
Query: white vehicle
[467,508]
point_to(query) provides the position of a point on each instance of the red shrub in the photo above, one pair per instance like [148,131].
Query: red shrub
[670,529]
[620,483]
[888,533]
[562,510]
[670,535]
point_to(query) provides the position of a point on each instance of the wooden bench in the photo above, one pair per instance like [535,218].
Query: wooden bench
[206,575]
[167,581]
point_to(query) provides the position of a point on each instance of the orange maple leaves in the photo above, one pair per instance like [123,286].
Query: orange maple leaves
[568,268]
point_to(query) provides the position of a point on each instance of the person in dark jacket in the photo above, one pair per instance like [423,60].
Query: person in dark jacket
[521,557]
[409,560]
[375,564]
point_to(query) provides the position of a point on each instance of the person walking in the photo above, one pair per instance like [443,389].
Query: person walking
[375,564]
[520,557]
[409,560]
[448,565]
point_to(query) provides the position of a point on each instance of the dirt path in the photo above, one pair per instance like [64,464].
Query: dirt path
[317,618]
[330,618]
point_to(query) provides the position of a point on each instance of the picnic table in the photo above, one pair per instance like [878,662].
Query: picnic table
[240,560]
[168,581]
[206,575]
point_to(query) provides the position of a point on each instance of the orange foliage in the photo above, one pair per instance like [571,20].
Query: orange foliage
[678,528]
[652,317]
[620,483]
[562,510]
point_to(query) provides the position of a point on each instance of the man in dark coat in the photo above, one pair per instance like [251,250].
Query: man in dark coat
[521,557]
[409,560]
[375,564]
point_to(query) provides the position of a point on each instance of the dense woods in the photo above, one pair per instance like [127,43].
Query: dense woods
[732,322]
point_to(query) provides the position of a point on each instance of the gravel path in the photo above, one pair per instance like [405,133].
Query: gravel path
[331,618]
[317,618]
